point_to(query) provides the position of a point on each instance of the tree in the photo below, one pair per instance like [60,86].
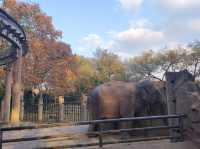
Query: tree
[86,77]
[155,64]
[195,57]
[108,64]
[45,51]
[61,72]
[143,66]
[43,41]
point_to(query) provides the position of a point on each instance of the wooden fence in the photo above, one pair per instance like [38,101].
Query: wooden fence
[178,128]
[54,112]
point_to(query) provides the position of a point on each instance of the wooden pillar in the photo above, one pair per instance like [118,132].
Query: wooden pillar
[6,102]
[15,115]
[84,108]
[61,107]
[40,108]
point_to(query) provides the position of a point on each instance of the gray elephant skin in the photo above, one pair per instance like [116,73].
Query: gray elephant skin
[117,99]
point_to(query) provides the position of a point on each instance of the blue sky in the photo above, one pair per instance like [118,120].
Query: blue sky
[126,27]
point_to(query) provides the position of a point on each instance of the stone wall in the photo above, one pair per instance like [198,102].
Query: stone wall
[183,97]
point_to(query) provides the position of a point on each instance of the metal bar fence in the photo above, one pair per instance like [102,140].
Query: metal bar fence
[30,113]
[51,112]
[72,112]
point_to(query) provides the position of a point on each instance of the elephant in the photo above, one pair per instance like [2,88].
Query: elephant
[118,99]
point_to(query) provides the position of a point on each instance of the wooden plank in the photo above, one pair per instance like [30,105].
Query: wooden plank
[133,129]
[131,119]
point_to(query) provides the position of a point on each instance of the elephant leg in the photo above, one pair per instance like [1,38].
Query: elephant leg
[125,125]
[91,129]
[126,110]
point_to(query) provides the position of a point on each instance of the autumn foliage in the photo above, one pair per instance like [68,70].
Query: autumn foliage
[48,60]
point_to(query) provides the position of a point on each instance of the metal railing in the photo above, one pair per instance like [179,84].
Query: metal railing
[178,128]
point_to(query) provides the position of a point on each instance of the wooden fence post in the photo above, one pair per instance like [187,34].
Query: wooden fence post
[22,110]
[40,108]
[100,136]
[61,107]
[84,108]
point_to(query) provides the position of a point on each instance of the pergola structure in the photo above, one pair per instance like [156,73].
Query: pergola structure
[11,57]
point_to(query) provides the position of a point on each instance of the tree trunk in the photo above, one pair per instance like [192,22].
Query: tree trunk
[15,115]
[7,97]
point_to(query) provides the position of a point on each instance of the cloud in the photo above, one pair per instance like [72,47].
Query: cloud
[194,25]
[182,29]
[177,23]
[91,41]
[141,23]
[132,41]
[180,4]
[130,5]
[135,40]
[142,35]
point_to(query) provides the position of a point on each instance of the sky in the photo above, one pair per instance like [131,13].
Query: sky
[125,27]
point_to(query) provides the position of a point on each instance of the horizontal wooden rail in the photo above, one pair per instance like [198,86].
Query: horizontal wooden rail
[100,132]
[16,128]
[130,119]
[92,133]
[36,138]
[133,129]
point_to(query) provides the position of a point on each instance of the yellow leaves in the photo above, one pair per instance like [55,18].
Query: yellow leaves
[85,67]
[146,57]
[70,75]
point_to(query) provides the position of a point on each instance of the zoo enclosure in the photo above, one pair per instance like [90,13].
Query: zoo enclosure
[178,128]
